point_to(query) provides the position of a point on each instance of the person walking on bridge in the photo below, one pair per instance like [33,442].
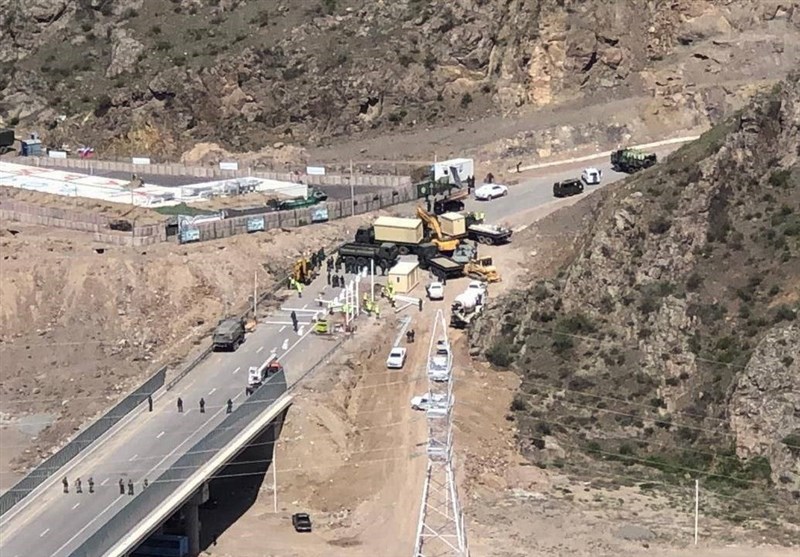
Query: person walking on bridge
[91,484]
[150,403]
[121,487]
[293,316]
[180,404]
[230,407]
[202,405]
[130,487]
[78,488]
[65,483]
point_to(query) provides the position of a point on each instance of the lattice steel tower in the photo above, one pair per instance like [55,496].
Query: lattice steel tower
[440,531]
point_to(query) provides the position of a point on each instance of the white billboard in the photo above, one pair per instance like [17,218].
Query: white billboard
[229,166]
[140,160]
[315,170]
[57,154]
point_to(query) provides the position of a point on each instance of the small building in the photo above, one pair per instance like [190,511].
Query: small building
[404,276]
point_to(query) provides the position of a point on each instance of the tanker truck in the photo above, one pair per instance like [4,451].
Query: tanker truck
[465,308]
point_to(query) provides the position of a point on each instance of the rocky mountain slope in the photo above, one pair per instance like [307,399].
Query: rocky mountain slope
[671,339]
[155,76]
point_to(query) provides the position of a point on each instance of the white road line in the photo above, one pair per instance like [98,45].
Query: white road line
[160,435]
[69,541]
[273,350]
[282,328]
[43,533]
[75,506]
[104,482]
[133,457]
[285,344]
[300,331]
[212,391]
[237,370]
[260,348]
[305,306]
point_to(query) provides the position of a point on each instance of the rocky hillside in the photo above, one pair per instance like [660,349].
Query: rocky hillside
[157,76]
[671,339]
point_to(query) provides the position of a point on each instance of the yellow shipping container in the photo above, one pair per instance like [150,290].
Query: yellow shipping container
[453,224]
[404,276]
[398,230]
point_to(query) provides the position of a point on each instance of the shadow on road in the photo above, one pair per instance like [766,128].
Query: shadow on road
[235,487]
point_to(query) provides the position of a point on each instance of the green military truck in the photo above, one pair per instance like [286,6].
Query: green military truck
[632,160]
[229,334]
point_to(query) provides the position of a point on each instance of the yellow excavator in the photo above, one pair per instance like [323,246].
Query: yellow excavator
[302,271]
[430,221]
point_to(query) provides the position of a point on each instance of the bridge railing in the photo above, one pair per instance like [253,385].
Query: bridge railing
[89,435]
[148,500]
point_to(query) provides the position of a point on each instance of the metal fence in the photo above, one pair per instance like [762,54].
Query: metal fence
[85,438]
[158,491]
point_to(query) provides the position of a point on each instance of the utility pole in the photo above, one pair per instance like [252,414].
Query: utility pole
[255,295]
[696,507]
[372,280]
[274,474]
[352,191]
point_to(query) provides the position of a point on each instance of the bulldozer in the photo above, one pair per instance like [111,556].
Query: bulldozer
[303,272]
[482,269]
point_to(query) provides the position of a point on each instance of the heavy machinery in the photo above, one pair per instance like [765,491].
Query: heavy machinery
[632,160]
[465,308]
[303,272]
[229,334]
[567,188]
[407,234]
[445,268]
[257,375]
[445,244]
[482,269]
[315,196]
[359,255]
[448,228]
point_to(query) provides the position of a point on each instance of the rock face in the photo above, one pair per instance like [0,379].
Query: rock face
[670,339]
[247,74]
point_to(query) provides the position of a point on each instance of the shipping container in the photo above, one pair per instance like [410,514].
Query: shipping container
[453,224]
[404,276]
[398,230]
[464,167]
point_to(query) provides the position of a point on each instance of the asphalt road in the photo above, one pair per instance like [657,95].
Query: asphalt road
[52,524]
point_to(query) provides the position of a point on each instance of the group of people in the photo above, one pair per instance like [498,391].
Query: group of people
[79,485]
[228,405]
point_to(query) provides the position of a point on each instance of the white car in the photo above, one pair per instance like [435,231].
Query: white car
[490,191]
[591,176]
[428,402]
[435,291]
[397,358]
[479,287]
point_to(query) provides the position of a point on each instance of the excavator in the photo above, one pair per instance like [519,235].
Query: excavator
[302,271]
[444,244]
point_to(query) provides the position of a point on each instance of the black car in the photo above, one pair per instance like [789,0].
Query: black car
[301,522]
[567,188]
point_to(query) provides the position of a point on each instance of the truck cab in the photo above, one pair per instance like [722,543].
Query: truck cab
[258,375]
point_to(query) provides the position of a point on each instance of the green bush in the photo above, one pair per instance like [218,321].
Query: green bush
[500,355]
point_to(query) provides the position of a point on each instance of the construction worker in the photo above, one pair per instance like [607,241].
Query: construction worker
[202,405]
[65,483]
[180,404]
[78,488]
[293,315]
[150,403]
[130,487]
[377,311]
[230,407]
[91,484]
[121,487]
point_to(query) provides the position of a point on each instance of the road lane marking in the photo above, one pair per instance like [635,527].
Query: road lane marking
[260,348]
[159,435]
[273,350]
[69,541]
[282,328]
[285,345]
[300,331]
[237,369]
[43,533]
[133,457]
[75,506]
[211,392]
[305,306]
[104,482]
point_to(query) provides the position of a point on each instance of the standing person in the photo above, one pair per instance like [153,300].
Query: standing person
[145,484]
[293,316]
[130,487]
[420,304]
[78,488]
[150,403]
[329,277]
[91,484]
[180,404]
[202,405]
[65,483]
[121,487]
[230,407]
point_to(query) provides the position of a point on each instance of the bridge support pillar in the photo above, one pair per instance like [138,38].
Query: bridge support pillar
[192,510]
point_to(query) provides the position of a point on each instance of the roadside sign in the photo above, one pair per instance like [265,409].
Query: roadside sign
[140,160]
[229,166]
[57,154]
[315,170]
[255,224]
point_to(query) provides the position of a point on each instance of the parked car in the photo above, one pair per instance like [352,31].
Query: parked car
[591,176]
[479,287]
[490,191]
[435,291]
[430,401]
[301,522]
[397,358]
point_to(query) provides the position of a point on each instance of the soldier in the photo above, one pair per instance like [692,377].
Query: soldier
[180,404]
[420,304]
[329,277]
[409,337]
[144,486]
[150,403]
[202,405]
[130,487]
[91,484]
[293,315]
[65,483]
[78,488]
[230,407]
[121,487]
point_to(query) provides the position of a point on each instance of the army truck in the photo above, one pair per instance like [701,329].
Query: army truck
[573,186]
[315,196]
[632,160]
[406,234]
[229,334]
[359,255]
